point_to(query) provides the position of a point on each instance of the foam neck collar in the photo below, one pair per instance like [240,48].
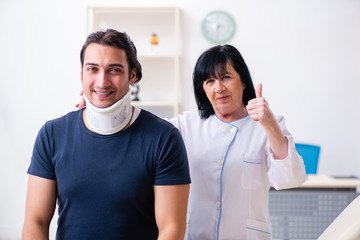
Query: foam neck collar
[109,120]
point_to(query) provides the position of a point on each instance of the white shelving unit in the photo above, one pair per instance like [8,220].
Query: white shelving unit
[160,85]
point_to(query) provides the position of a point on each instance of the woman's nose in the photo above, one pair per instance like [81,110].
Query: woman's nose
[219,86]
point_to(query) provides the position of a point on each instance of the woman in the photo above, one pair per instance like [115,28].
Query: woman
[236,148]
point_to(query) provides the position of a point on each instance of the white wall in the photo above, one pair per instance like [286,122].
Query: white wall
[305,52]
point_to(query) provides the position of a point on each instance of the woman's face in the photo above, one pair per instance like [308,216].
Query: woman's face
[225,93]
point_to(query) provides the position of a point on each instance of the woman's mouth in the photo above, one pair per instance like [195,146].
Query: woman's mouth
[222,98]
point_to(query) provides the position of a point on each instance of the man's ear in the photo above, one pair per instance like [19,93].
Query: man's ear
[81,74]
[133,76]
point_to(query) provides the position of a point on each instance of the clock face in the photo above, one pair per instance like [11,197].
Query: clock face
[218,26]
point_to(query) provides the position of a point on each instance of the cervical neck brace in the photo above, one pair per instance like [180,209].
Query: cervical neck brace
[109,120]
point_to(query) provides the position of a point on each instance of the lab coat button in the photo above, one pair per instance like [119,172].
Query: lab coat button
[218,204]
[233,129]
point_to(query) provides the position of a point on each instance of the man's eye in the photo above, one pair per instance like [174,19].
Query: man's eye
[115,70]
[92,69]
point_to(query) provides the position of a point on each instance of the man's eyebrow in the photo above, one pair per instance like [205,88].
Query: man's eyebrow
[116,65]
[93,64]
[110,65]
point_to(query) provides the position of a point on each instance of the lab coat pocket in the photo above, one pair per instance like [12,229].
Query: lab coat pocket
[251,171]
[256,230]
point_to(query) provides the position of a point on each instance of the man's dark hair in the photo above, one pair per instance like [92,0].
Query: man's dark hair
[113,38]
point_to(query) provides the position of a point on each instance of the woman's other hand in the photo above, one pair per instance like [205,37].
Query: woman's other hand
[82,103]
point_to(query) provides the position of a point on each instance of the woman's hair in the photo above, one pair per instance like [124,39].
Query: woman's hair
[120,40]
[211,64]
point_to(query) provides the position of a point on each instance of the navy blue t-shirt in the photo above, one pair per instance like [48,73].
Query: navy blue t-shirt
[105,182]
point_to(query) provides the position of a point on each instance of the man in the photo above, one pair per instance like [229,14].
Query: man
[117,172]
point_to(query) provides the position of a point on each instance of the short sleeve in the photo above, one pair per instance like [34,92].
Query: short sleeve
[172,167]
[41,164]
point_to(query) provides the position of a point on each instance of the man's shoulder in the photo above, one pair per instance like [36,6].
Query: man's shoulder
[151,119]
[55,129]
[59,122]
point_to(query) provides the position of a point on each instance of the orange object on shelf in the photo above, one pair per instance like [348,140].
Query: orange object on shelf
[154,39]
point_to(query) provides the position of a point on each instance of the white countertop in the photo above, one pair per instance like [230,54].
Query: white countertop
[324,181]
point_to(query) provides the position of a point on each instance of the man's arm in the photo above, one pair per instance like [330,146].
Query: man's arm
[170,210]
[40,207]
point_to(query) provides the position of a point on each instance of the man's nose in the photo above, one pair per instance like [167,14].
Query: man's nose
[103,80]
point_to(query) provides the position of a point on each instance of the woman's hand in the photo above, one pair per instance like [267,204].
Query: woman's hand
[259,110]
[82,102]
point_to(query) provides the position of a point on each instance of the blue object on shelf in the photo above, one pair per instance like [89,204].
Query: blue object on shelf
[310,155]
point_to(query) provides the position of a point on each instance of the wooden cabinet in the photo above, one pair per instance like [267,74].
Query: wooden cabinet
[159,89]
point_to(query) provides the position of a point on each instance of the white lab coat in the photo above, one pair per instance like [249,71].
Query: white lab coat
[232,169]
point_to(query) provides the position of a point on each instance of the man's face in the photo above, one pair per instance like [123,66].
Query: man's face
[105,75]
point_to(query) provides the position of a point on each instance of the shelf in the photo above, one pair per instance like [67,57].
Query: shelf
[159,88]
[157,56]
[153,103]
[140,24]
[161,109]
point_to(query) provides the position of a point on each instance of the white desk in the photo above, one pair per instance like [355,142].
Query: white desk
[323,181]
[305,212]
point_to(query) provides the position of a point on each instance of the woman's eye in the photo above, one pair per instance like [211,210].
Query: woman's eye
[209,81]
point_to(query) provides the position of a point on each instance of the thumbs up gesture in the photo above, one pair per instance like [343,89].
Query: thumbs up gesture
[259,109]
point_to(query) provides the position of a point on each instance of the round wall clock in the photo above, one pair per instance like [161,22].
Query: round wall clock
[218,26]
